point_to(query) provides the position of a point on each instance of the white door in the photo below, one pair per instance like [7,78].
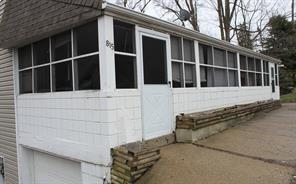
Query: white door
[53,170]
[157,104]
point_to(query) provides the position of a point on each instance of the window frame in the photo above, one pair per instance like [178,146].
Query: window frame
[132,54]
[213,66]
[51,63]
[184,62]
[254,71]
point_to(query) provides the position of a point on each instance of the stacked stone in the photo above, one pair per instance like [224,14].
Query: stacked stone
[208,118]
[131,161]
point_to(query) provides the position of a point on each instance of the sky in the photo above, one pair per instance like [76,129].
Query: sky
[207,15]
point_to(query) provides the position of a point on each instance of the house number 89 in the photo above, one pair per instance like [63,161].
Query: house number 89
[110,45]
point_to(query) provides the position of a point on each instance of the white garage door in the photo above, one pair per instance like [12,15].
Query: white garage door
[53,170]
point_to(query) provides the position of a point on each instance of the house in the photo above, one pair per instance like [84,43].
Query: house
[78,78]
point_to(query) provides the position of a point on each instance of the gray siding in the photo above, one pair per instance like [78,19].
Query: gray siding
[7,118]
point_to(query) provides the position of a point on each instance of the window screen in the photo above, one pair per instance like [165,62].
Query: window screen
[205,54]
[25,79]
[177,69]
[124,37]
[25,57]
[42,79]
[243,62]
[125,57]
[188,50]
[61,46]
[244,78]
[258,79]
[220,77]
[41,52]
[86,39]
[154,58]
[190,75]
[206,76]
[219,57]
[232,60]
[125,67]
[176,48]
[87,73]
[251,78]
[251,64]
[258,65]
[233,78]
[62,76]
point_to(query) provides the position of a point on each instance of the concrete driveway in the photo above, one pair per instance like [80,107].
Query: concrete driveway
[261,151]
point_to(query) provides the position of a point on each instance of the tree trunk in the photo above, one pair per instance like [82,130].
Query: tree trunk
[220,16]
[293,6]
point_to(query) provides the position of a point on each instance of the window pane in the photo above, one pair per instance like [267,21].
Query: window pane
[41,52]
[266,66]
[177,75]
[231,60]
[25,78]
[25,57]
[251,79]
[205,54]
[251,64]
[276,68]
[206,76]
[220,77]
[176,48]
[124,37]
[258,79]
[188,50]
[219,57]
[61,46]
[154,60]
[233,78]
[42,79]
[190,80]
[125,67]
[266,79]
[86,39]
[244,79]
[258,65]
[62,76]
[243,62]
[87,73]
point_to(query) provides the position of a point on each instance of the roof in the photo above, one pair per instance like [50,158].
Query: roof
[25,21]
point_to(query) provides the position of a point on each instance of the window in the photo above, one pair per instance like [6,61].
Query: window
[183,62]
[87,73]
[218,67]
[250,71]
[86,39]
[125,55]
[276,74]
[39,72]
[61,46]
[266,73]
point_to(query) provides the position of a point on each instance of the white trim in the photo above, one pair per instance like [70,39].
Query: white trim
[125,53]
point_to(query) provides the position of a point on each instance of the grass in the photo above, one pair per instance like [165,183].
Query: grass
[289,98]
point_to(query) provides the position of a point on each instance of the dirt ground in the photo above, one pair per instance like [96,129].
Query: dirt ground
[261,151]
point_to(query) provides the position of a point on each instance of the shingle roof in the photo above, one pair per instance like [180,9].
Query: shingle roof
[24,21]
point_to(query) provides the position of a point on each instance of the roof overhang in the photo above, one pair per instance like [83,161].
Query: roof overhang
[26,21]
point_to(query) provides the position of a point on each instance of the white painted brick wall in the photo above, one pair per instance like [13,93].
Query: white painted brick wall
[79,125]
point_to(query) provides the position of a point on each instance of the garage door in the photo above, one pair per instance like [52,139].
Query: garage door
[53,170]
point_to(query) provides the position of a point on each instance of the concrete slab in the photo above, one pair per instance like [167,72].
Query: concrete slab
[269,136]
[186,163]
[262,150]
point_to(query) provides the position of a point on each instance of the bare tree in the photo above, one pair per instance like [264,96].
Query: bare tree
[173,7]
[138,5]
